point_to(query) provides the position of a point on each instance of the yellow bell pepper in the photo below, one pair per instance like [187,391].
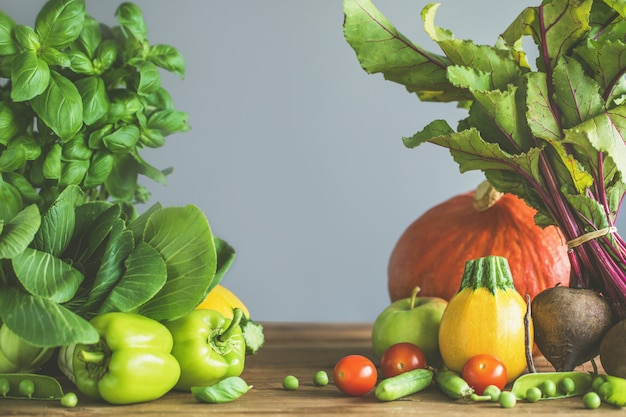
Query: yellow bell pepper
[223,300]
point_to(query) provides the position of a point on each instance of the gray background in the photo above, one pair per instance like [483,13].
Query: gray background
[295,153]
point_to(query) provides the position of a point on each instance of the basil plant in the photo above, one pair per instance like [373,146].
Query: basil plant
[78,102]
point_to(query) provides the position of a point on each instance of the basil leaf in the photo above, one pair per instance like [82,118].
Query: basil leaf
[105,55]
[122,180]
[80,63]
[43,322]
[60,106]
[9,125]
[228,389]
[52,163]
[149,78]
[28,144]
[26,38]
[168,58]
[12,159]
[169,121]
[99,169]
[59,22]
[11,201]
[26,189]
[122,140]
[148,170]
[90,37]
[94,97]
[54,57]
[43,275]
[73,172]
[225,258]
[76,149]
[18,232]
[30,76]
[130,19]
[7,43]
[183,237]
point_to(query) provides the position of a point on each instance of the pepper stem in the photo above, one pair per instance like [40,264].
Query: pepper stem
[93,357]
[234,324]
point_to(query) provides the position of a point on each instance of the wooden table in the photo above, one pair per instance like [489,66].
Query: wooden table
[302,350]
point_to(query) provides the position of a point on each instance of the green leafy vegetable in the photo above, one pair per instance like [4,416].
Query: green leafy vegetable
[552,133]
[80,100]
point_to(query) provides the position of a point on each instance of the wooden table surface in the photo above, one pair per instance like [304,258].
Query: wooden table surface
[302,350]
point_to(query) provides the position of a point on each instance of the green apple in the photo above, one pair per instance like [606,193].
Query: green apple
[415,320]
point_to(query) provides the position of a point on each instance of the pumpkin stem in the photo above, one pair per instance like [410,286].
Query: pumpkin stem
[491,272]
[486,196]
[413,297]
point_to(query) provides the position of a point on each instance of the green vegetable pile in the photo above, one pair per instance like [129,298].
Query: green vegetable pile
[551,133]
[78,102]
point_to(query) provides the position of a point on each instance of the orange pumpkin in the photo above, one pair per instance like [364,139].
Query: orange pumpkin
[433,250]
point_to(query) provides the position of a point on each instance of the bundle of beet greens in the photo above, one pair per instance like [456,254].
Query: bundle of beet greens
[550,131]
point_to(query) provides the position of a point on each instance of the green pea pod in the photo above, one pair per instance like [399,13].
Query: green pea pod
[581,384]
[29,386]
[452,385]
[404,384]
[611,389]
[228,389]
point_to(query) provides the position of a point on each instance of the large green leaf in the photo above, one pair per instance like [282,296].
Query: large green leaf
[60,106]
[145,275]
[46,276]
[30,76]
[555,26]
[467,54]
[42,322]
[60,22]
[119,246]
[167,58]
[7,42]
[18,233]
[90,218]
[576,94]
[381,48]
[57,223]
[603,133]
[95,100]
[225,258]
[183,237]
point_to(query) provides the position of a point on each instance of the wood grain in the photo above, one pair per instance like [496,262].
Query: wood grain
[302,349]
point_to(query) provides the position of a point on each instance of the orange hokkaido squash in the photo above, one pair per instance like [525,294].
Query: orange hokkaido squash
[432,251]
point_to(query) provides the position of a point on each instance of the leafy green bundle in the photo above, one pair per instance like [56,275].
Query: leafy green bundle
[79,100]
[553,134]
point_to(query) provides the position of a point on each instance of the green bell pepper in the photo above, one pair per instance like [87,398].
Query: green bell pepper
[208,347]
[131,363]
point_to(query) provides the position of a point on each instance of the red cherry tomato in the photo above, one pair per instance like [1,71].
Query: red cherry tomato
[355,375]
[401,357]
[483,370]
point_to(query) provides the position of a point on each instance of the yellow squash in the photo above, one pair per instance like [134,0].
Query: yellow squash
[486,315]
[223,300]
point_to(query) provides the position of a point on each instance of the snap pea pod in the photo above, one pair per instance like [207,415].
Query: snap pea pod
[30,386]
[611,389]
[552,384]
[404,384]
[452,385]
